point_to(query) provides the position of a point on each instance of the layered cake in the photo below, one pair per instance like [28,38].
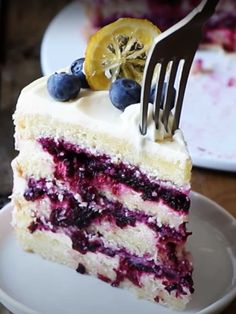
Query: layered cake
[94,194]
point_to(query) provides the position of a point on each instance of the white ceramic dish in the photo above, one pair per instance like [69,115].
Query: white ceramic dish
[31,285]
[63,42]
[209,129]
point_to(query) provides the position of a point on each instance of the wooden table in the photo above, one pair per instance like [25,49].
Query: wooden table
[22,66]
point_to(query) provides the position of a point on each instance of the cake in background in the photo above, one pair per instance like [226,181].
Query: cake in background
[220,29]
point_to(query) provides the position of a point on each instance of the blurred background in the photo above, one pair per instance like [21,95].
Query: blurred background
[22,26]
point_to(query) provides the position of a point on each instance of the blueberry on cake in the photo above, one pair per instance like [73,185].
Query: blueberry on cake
[90,191]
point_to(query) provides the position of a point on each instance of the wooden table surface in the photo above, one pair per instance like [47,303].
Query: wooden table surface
[26,24]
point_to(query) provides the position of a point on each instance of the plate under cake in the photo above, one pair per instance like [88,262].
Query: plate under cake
[92,193]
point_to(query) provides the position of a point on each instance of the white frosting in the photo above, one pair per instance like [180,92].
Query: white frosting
[131,120]
[94,110]
[97,105]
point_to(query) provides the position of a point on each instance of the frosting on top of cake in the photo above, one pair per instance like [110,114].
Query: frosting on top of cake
[94,109]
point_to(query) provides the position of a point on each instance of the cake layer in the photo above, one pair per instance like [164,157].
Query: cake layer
[59,207]
[75,164]
[125,267]
[117,134]
[110,239]
[51,246]
[112,227]
[75,171]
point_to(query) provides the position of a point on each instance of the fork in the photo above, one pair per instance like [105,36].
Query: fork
[175,46]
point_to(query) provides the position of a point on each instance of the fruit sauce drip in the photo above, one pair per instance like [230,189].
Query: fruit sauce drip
[75,219]
[83,169]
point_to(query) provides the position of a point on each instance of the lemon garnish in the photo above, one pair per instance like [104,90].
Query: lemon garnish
[118,50]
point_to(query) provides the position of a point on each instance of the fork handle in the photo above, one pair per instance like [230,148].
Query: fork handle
[203,11]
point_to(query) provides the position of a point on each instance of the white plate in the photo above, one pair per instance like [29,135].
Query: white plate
[209,128]
[63,42]
[209,112]
[30,285]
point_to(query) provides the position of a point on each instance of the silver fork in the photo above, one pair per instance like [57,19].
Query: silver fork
[176,45]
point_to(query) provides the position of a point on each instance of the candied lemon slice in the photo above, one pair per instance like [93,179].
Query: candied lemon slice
[118,50]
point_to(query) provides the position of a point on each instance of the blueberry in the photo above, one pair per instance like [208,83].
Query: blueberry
[77,70]
[81,269]
[124,92]
[63,86]
[164,90]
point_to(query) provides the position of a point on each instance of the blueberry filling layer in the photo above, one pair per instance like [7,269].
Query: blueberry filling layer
[132,268]
[81,169]
[177,275]
[80,172]
[67,211]
[70,217]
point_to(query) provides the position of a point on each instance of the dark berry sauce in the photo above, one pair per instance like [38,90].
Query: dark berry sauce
[176,274]
[81,269]
[83,171]
[69,216]
[67,211]
[78,171]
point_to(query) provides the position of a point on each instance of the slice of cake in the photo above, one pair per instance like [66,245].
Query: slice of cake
[94,194]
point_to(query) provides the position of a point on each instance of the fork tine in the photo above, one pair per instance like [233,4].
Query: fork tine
[145,94]
[166,48]
[181,90]
[170,92]
[158,92]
